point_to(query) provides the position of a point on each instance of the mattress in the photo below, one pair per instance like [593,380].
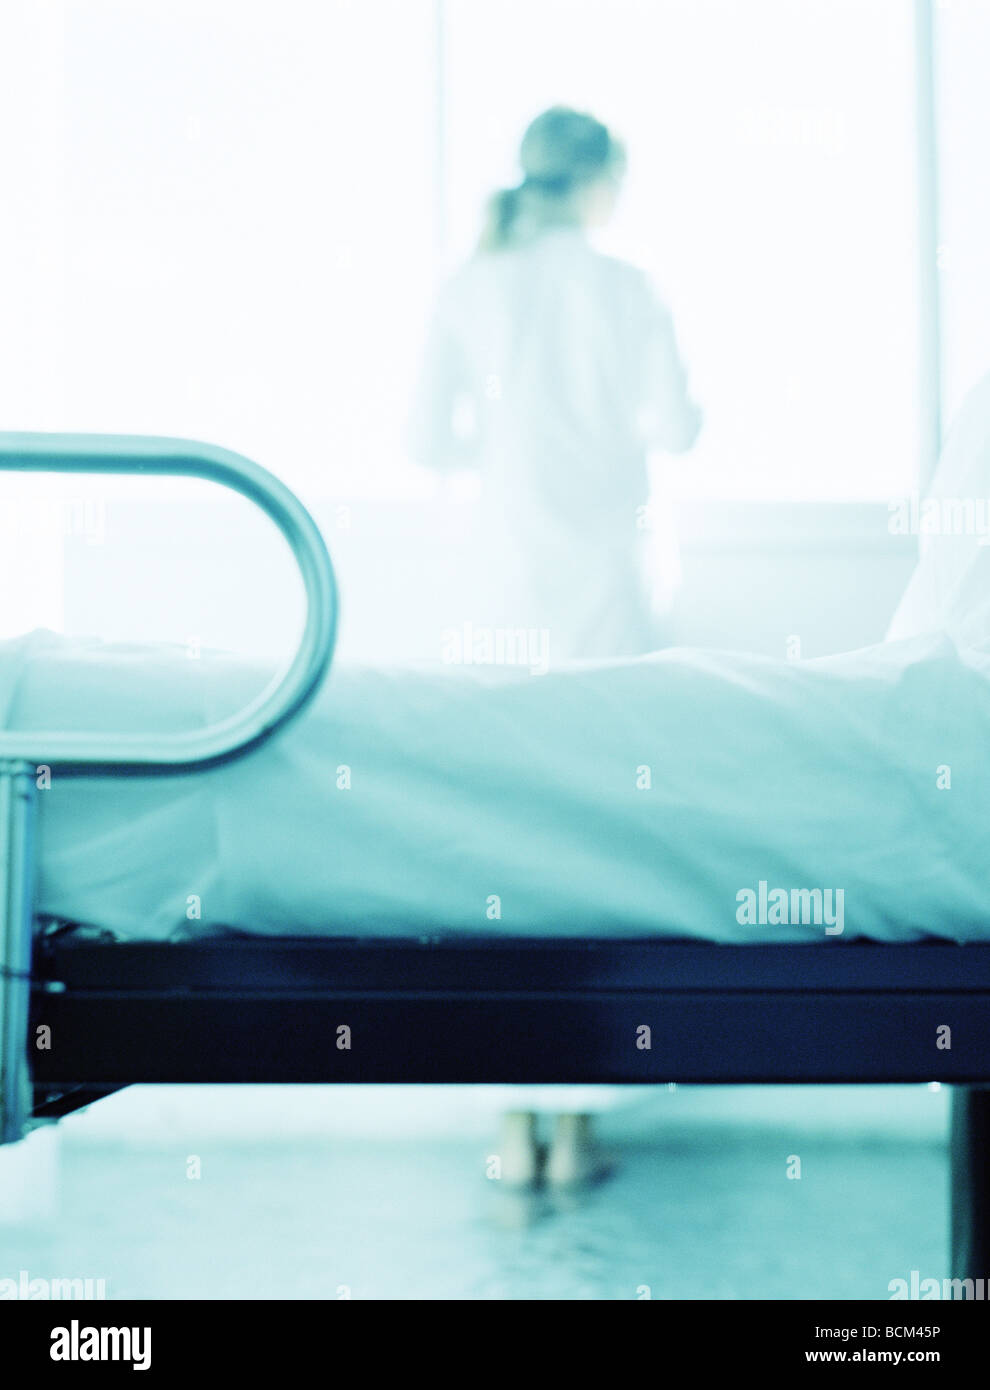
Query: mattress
[686,794]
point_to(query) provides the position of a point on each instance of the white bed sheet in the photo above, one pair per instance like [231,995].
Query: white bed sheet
[481,792]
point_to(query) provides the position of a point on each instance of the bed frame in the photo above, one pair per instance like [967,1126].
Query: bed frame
[390,1008]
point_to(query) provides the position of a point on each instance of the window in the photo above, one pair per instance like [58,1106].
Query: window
[242,200]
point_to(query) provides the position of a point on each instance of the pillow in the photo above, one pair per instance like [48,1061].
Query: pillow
[950,587]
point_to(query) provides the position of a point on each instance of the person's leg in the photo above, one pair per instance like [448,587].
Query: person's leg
[575,1157]
[519,1149]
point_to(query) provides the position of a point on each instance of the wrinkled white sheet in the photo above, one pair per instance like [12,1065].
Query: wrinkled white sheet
[633,798]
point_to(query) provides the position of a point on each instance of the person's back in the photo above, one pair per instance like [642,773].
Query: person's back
[555,340]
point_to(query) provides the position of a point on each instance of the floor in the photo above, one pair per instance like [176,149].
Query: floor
[338,1192]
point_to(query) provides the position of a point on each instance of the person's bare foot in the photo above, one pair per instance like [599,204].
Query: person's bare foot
[576,1160]
[519,1151]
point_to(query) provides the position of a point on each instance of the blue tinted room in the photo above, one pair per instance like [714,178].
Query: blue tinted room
[494,653]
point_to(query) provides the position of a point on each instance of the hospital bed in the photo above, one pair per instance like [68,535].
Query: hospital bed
[434,1008]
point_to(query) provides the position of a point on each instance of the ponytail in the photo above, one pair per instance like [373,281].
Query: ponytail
[500,219]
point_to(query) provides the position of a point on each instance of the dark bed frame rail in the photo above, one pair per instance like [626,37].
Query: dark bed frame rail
[452,1011]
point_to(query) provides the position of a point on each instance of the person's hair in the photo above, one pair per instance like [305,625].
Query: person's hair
[562,152]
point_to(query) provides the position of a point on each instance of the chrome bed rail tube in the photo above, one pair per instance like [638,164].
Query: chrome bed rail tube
[99,753]
[288,692]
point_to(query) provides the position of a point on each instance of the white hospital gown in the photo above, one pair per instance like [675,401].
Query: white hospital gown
[554,369]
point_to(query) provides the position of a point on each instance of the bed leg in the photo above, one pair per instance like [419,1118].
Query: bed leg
[970,1204]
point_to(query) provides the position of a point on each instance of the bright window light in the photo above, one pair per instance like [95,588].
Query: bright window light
[246,210]
[771,194]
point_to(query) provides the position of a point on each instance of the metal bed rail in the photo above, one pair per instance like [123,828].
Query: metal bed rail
[100,753]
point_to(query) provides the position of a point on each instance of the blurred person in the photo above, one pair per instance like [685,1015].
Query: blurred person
[553,369]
